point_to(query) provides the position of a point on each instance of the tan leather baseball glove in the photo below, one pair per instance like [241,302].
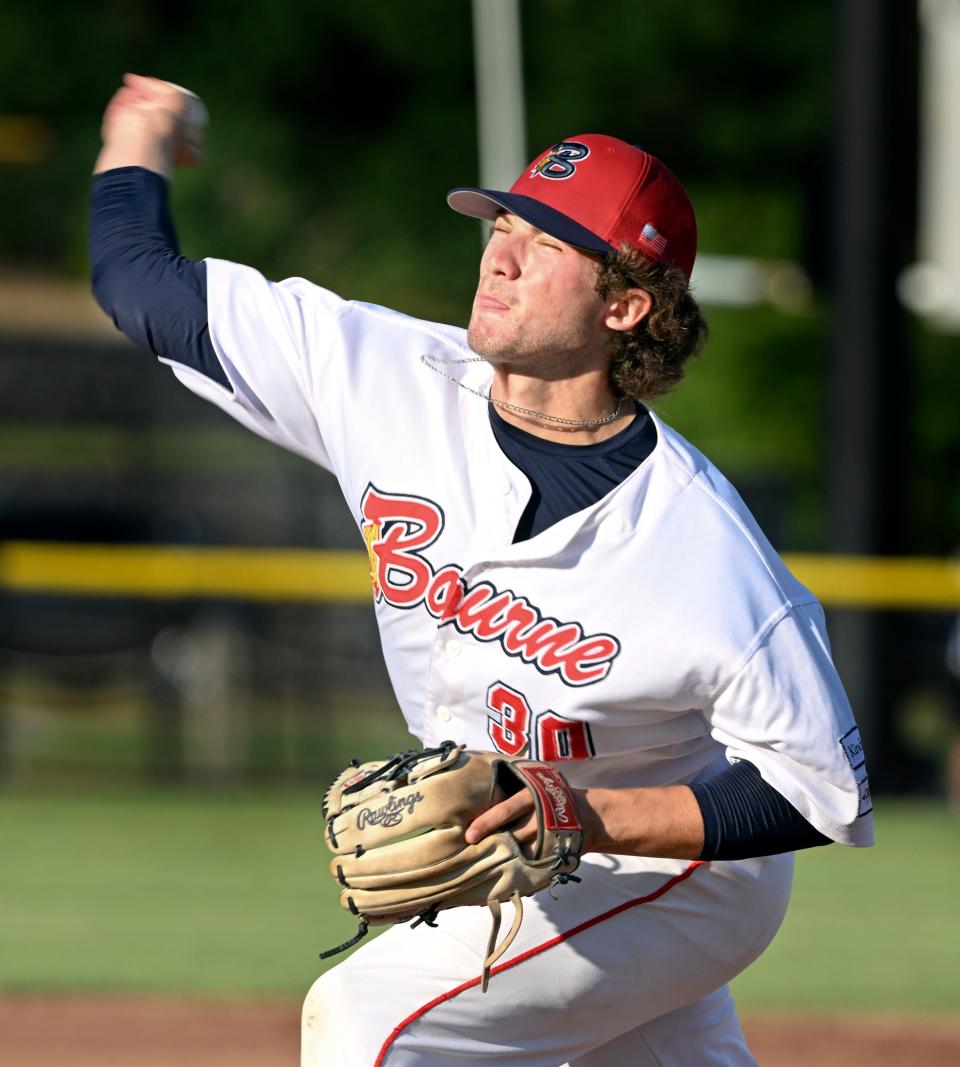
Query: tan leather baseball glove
[397,826]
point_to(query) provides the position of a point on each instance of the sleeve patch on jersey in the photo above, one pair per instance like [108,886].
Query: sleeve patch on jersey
[863,787]
[853,747]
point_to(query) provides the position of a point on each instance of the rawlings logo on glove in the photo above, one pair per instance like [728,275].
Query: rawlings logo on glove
[397,827]
[390,814]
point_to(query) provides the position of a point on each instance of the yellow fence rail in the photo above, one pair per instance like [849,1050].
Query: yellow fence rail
[172,572]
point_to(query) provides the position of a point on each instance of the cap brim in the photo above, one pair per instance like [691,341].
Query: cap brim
[488,203]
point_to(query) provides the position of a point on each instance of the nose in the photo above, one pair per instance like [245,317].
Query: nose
[501,256]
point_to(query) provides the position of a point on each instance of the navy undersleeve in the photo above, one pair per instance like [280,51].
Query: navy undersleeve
[156,296]
[743,816]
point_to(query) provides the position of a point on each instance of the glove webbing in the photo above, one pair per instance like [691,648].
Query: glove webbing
[400,765]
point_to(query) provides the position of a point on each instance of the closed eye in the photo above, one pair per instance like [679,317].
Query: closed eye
[494,230]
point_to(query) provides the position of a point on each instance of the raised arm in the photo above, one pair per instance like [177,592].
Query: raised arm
[155,295]
[253,347]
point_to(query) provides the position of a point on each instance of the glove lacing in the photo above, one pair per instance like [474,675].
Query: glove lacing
[358,936]
[493,954]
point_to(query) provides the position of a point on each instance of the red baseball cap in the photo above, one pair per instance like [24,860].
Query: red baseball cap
[597,193]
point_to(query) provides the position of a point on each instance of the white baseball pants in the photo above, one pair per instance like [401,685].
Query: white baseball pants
[629,967]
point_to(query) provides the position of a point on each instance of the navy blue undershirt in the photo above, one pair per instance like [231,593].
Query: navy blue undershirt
[565,479]
[158,298]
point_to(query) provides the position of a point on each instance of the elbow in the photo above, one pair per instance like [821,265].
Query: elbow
[105,284]
[120,297]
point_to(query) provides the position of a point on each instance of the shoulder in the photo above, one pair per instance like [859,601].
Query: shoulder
[713,520]
[689,465]
[234,287]
[377,317]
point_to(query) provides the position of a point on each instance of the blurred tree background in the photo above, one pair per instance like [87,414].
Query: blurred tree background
[336,128]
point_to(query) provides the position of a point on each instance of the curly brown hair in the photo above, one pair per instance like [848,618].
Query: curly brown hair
[650,359]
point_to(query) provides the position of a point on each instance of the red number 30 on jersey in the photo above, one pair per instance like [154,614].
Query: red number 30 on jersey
[514,728]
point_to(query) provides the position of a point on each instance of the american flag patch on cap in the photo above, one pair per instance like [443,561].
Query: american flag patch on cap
[653,239]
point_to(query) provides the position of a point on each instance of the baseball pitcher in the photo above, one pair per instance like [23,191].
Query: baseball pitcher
[628,715]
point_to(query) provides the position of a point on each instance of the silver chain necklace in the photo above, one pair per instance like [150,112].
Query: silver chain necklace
[580,424]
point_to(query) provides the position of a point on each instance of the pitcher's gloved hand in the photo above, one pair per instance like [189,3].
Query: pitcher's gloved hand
[397,828]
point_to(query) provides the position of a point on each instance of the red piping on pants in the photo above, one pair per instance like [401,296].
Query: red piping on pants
[412,1018]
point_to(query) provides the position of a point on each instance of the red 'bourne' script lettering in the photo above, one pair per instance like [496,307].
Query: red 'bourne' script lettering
[397,528]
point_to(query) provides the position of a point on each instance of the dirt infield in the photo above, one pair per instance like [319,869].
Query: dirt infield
[142,1032]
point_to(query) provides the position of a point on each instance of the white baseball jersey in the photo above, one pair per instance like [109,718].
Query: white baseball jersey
[643,641]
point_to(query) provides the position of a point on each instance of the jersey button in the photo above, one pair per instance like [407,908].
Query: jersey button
[443,713]
[452,649]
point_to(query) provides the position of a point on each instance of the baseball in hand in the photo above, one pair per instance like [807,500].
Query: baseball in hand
[193,127]
[159,112]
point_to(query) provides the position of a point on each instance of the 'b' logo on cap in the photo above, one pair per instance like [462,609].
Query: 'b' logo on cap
[561,161]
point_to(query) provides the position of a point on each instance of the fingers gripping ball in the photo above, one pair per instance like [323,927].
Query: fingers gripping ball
[397,827]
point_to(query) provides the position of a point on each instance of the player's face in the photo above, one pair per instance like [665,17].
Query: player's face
[536,303]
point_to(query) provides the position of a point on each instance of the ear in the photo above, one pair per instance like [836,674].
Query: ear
[628,309]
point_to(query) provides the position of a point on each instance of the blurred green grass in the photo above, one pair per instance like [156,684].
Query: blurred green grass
[874,930]
[225,893]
